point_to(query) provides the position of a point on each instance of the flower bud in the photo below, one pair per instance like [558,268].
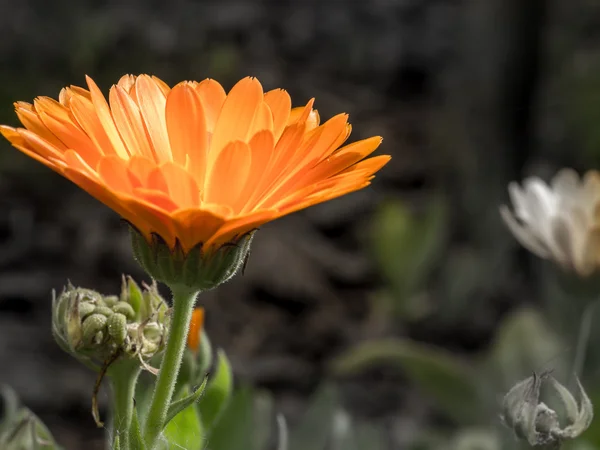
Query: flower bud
[538,424]
[197,269]
[96,328]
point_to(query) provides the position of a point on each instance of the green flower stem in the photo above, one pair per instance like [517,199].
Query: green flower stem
[583,338]
[183,304]
[123,376]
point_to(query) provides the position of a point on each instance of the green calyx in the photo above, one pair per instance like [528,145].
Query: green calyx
[196,270]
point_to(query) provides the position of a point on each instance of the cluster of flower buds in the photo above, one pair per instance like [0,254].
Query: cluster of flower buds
[96,328]
[537,423]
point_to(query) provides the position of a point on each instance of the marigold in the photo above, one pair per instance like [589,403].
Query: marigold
[191,163]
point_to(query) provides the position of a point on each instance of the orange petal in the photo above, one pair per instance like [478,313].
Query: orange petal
[115,174]
[164,87]
[31,120]
[239,226]
[97,189]
[181,185]
[158,199]
[314,172]
[126,82]
[261,147]
[280,104]
[150,213]
[39,145]
[130,123]
[106,119]
[341,160]
[263,120]
[73,137]
[12,134]
[236,116]
[75,161]
[196,326]
[187,129]
[152,102]
[141,167]
[51,163]
[227,176]
[195,226]
[157,181]
[85,115]
[212,95]
[287,144]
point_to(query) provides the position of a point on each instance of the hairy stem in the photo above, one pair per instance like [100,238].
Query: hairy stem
[183,304]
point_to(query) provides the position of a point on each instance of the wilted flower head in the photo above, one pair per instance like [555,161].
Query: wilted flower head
[193,165]
[96,328]
[560,221]
[535,422]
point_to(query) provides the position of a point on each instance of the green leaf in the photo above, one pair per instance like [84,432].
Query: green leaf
[349,435]
[20,428]
[185,429]
[10,407]
[236,427]
[525,343]
[369,437]
[218,392]
[476,439]
[445,378]
[263,421]
[188,400]
[315,428]
[407,249]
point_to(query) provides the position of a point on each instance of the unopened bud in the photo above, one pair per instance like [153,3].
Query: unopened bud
[96,328]
[93,328]
[125,309]
[117,328]
[538,424]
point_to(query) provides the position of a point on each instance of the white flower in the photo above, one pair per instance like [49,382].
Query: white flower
[560,221]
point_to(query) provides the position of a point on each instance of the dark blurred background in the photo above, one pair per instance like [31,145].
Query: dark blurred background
[468,95]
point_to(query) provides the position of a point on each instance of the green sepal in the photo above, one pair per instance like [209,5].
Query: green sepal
[196,269]
[179,405]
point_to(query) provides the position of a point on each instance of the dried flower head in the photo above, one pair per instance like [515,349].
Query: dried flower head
[560,221]
[538,424]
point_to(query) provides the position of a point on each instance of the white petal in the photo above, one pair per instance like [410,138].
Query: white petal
[541,199]
[562,243]
[524,235]
[518,198]
[566,183]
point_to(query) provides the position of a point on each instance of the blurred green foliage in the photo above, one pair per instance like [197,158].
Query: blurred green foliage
[20,429]
[467,390]
[407,250]
[249,424]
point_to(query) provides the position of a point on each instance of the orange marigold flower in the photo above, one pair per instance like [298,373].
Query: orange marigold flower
[191,163]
